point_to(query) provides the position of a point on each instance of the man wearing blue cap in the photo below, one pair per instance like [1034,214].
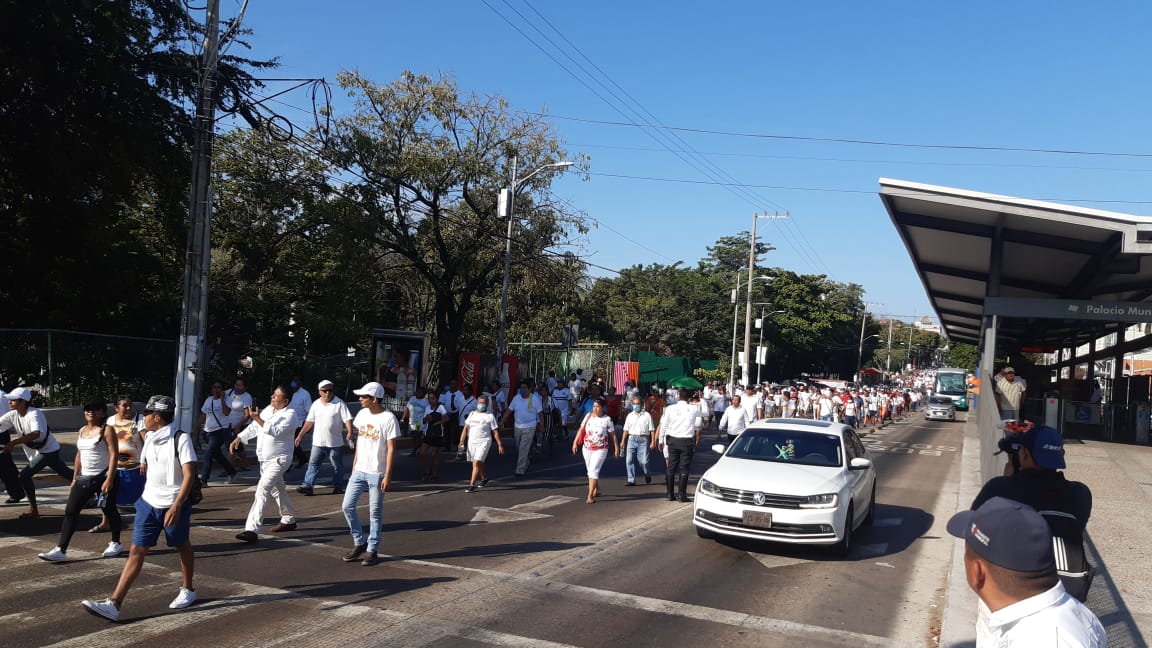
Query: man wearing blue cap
[1011,565]
[1066,505]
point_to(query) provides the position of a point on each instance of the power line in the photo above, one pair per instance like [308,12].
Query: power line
[839,140]
[656,135]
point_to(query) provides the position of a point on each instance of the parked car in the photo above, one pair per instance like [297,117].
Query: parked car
[788,480]
[940,408]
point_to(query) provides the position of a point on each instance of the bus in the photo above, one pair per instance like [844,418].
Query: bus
[952,383]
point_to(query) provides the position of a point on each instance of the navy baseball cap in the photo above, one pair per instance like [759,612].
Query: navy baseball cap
[1006,533]
[1046,446]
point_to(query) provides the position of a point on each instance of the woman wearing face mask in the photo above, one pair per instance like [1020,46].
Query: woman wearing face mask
[478,432]
[638,428]
[595,433]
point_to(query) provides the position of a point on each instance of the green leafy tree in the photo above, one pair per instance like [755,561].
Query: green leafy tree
[429,164]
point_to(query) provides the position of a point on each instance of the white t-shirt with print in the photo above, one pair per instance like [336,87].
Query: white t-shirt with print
[32,421]
[373,431]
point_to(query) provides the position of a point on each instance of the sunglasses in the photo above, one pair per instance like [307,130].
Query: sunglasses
[325,390]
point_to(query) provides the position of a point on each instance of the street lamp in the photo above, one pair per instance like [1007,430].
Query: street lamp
[506,206]
[760,344]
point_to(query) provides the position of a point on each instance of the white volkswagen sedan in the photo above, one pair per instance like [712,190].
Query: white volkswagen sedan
[788,480]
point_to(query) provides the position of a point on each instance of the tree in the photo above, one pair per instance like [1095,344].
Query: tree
[962,355]
[429,164]
[94,168]
[730,253]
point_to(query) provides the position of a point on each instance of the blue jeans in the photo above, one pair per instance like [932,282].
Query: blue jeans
[217,441]
[357,484]
[638,449]
[335,457]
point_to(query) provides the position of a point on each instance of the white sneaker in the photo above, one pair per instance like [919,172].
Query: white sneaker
[56,555]
[185,598]
[105,608]
[114,549]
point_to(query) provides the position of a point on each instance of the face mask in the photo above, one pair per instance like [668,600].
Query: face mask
[293,384]
[481,407]
[524,393]
[637,408]
[237,390]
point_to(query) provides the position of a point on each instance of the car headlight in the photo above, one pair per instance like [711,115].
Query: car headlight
[827,500]
[708,488]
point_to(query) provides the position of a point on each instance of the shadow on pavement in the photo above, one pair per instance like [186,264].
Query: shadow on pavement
[511,549]
[365,590]
[1106,603]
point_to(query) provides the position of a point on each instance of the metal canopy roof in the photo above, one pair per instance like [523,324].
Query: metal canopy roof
[967,245]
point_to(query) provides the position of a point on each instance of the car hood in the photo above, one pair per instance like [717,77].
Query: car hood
[778,478]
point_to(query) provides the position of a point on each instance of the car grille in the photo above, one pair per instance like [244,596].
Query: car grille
[771,501]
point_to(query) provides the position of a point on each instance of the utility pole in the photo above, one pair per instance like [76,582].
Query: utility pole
[735,319]
[748,309]
[888,361]
[191,363]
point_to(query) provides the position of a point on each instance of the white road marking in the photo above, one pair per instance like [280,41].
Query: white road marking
[519,512]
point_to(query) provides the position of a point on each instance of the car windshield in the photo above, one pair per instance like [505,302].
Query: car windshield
[788,446]
[936,400]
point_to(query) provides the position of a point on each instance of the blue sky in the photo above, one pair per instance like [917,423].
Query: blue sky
[1065,75]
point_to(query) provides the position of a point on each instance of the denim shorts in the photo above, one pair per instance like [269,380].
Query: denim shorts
[150,521]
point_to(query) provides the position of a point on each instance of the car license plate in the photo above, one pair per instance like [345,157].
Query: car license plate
[758,519]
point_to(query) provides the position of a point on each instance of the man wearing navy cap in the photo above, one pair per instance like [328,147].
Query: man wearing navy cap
[1066,505]
[1011,565]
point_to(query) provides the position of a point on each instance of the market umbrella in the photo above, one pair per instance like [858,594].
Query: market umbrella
[685,381]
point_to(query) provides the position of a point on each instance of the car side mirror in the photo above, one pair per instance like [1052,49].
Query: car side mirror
[859,463]
[718,448]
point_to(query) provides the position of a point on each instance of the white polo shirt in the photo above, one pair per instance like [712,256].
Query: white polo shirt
[679,420]
[735,420]
[1053,618]
[327,421]
[164,475]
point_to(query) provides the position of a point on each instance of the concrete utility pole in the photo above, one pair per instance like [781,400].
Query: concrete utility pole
[888,361]
[191,363]
[745,367]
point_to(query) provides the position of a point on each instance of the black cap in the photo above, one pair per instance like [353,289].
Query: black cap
[1006,533]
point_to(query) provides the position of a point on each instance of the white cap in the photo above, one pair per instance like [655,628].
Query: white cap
[20,393]
[324,383]
[373,389]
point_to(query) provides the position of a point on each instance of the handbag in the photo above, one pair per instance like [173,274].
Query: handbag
[580,435]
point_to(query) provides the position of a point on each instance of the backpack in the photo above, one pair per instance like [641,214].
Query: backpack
[196,492]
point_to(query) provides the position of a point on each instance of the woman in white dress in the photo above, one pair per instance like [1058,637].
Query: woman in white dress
[596,432]
[478,433]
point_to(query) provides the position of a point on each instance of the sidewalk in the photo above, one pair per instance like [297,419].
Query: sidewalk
[1119,541]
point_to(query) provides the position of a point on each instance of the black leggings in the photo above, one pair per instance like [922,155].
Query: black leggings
[83,491]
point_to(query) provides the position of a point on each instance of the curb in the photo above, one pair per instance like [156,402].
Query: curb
[958,624]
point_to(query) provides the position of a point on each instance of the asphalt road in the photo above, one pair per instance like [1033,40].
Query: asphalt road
[520,563]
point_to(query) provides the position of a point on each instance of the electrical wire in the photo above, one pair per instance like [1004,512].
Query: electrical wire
[623,106]
[839,140]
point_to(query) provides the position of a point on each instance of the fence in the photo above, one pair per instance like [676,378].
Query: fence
[598,358]
[74,367]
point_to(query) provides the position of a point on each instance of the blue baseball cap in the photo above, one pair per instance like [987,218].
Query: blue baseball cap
[1006,533]
[1046,446]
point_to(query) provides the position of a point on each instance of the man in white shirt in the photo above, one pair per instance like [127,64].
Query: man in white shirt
[576,386]
[751,402]
[216,423]
[678,432]
[168,462]
[525,414]
[274,430]
[551,380]
[376,434]
[331,422]
[562,400]
[638,429]
[300,401]
[413,415]
[735,419]
[40,445]
[1010,563]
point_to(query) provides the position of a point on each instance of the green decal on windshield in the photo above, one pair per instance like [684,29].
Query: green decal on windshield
[788,451]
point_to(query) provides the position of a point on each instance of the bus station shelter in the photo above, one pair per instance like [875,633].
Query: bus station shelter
[1012,275]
